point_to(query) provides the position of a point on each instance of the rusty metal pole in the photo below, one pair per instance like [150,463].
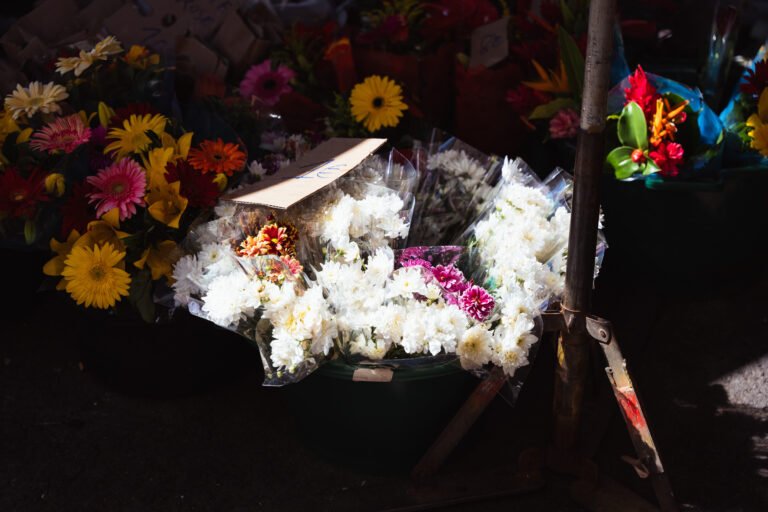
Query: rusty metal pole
[573,346]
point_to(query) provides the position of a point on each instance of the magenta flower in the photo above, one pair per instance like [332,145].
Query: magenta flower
[564,124]
[450,278]
[265,84]
[477,303]
[63,134]
[121,185]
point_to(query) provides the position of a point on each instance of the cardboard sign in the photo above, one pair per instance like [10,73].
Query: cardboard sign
[158,28]
[489,44]
[319,168]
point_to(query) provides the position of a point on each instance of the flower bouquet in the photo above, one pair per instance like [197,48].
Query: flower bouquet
[664,129]
[746,117]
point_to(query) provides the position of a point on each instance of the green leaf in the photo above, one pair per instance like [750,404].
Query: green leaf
[30,231]
[140,295]
[650,167]
[621,161]
[548,110]
[568,17]
[632,129]
[573,60]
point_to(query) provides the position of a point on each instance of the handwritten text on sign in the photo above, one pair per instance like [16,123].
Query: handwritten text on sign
[489,44]
[315,170]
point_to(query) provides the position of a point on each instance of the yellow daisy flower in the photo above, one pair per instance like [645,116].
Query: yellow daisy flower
[377,102]
[140,57]
[35,98]
[93,277]
[759,124]
[131,138]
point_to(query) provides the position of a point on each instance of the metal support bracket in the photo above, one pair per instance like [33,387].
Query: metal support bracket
[648,464]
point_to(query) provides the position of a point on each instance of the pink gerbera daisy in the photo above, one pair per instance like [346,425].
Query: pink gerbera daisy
[265,84]
[121,185]
[64,134]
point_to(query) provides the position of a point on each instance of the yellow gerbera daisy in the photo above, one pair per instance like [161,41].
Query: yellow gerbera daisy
[93,278]
[377,102]
[35,98]
[759,125]
[103,49]
[131,138]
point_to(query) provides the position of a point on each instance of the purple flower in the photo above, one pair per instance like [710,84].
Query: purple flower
[416,262]
[477,303]
[450,278]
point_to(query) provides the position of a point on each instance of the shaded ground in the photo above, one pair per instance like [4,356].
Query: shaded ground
[72,442]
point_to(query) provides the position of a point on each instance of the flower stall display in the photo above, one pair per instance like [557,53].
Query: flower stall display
[111,183]
[332,276]
[746,116]
[664,129]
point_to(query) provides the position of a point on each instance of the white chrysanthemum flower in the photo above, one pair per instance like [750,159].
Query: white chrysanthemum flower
[225,209]
[217,259]
[368,348]
[286,351]
[188,276]
[433,292]
[406,281]
[256,170]
[380,266]
[475,348]
[231,298]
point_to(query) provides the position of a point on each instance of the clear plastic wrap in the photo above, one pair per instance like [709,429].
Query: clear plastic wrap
[455,184]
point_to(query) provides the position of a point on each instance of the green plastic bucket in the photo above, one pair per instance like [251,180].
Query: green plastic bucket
[378,427]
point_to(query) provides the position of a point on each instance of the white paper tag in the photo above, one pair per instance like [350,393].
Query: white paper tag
[372,375]
[489,44]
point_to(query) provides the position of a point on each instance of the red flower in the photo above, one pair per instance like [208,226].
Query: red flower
[642,92]
[19,197]
[756,79]
[77,212]
[198,188]
[524,99]
[668,156]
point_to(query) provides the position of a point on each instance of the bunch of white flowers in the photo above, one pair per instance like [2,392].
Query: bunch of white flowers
[372,222]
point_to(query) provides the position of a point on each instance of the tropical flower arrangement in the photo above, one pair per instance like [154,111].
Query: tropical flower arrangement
[339,276]
[746,116]
[663,129]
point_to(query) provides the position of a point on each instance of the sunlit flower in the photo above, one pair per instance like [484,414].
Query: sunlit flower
[758,124]
[63,134]
[477,303]
[669,157]
[19,196]
[266,85]
[642,92]
[450,278]
[35,98]
[93,277]
[475,347]
[121,185]
[276,239]
[217,156]
[166,204]
[665,120]
[377,102]
[132,137]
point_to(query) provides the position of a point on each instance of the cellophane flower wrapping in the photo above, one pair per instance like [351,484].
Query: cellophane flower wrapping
[746,125]
[254,269]
[700,134]
[333,277]
[455,184]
